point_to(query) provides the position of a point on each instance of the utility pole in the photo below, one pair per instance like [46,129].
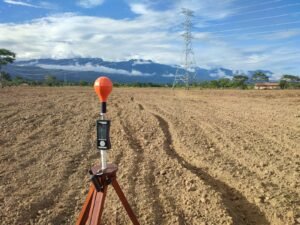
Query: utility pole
[186,73]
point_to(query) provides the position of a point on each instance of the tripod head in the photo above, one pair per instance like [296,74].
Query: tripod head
[103,87]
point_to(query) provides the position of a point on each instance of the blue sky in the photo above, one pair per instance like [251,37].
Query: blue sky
[235,34]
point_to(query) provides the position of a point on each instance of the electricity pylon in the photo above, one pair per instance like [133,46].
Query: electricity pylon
[186,73]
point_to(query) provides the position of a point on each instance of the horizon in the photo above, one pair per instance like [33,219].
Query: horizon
[230,34]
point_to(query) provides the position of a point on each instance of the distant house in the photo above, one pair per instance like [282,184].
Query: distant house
[267,86]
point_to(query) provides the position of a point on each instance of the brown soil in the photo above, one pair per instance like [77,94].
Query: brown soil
[197,157]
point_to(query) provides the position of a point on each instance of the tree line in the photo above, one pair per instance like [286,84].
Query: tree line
[244,82]
[238,81]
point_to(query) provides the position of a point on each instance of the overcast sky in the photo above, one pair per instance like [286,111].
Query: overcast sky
[234,34]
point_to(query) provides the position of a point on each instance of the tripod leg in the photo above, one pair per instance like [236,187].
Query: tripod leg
[125,202]
[97,207]
[83,216]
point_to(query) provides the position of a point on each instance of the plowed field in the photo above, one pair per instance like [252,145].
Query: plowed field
[198,157]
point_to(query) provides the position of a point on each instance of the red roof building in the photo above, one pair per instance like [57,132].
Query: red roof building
[267,86]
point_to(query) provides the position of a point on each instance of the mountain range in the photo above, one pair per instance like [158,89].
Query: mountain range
[134,70]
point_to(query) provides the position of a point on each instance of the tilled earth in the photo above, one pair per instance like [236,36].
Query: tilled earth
[203,157]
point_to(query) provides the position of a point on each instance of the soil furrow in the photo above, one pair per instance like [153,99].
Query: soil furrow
[230,144]
[239,208]
[229,169]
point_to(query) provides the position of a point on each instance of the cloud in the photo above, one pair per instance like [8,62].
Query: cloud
[90,3]
[13,2]
[139,8]
[149,35]
[168,75]
[39,5]
[219,74]
[96,68]
[69,35]
[48,5]
[152,34]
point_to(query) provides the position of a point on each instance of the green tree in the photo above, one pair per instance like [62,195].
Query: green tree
[6,57]
[5,79]
[51,80]
[260,76]
[239,81]
[83,83]
[289,81]
[203,84]
[5,76]
[240,78]
[224,82]
[214,84]
[290,78]
[18,80]
[283,84]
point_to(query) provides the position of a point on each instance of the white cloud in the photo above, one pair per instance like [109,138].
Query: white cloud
[13,2]
[96,68]
[48,5]
[67,35]
[90,3]
[139,8]
[39,5]
[139,73]
[219,74]
[169,75]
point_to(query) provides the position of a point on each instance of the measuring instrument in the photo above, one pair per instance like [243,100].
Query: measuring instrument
[104,175]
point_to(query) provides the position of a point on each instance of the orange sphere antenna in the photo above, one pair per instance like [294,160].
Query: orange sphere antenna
[103,87]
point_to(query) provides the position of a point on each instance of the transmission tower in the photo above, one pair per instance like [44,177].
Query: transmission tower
[186,73]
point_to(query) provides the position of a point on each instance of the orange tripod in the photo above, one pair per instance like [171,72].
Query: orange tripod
[94,204]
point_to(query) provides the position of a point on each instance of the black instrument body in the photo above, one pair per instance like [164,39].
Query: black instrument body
[103,138]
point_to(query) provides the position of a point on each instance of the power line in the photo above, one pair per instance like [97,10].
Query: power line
[262,32]
[254,27]
[267,9]
[255,19]
[260,10]
[257,4]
